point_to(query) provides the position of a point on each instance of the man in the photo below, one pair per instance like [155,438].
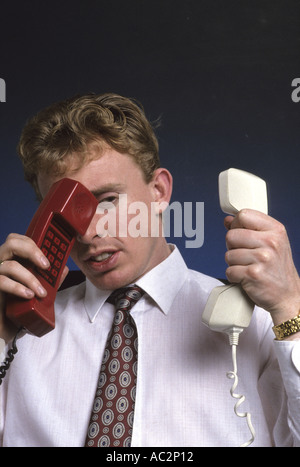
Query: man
[107,144]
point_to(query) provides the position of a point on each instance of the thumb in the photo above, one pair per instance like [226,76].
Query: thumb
[228,221]
[64,275]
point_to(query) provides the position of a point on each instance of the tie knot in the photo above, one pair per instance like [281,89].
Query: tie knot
[126,297]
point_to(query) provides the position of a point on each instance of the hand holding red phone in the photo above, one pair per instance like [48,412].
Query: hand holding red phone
[16,279]
[33,266]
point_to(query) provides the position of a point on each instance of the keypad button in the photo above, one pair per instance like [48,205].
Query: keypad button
[51,258]
[54,248]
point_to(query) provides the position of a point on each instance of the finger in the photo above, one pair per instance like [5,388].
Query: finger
[251,219]
[23,247]
[244,238]
[243,275]
[235,274]
[228,221]
[241,256]
[18,280]
[7,285]
[245,257]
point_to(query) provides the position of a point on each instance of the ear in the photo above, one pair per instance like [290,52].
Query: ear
[162,184]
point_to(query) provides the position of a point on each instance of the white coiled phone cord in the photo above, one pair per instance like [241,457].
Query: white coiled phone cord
[233,339]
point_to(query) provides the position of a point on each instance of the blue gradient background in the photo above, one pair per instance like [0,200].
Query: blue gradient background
[218,73]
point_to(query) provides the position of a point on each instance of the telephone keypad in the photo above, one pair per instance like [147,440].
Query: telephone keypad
[54,248]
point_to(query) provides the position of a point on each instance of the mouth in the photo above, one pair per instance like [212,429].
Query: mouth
[101,257]
[102,262]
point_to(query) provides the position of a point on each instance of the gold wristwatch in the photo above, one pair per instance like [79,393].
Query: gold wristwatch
[288,328]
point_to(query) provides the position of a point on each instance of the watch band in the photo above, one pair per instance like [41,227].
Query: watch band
[288,328]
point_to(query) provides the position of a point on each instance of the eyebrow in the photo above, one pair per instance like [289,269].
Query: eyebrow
[116,187]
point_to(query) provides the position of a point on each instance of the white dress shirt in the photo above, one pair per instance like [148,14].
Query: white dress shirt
[183,395]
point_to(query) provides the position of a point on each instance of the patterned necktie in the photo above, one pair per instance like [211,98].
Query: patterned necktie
[112,414]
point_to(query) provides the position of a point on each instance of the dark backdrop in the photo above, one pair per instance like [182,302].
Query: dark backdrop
[218,73]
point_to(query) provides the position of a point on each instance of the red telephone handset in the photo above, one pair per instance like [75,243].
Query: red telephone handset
[66,210]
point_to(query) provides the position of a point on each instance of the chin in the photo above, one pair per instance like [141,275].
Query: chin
[110,281]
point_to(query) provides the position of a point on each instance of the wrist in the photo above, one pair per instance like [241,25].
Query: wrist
[288,330]
[288,306]
[285,311]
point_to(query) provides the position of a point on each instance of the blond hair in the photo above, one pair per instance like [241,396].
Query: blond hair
[68,127]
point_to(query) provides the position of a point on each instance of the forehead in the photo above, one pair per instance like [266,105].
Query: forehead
[109,169]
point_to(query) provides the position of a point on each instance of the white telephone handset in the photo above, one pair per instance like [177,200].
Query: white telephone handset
[228,306]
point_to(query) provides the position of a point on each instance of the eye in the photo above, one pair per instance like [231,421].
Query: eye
[108,200]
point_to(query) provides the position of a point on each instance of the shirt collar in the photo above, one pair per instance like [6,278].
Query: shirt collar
[164,281]
[94,299]
[161,283]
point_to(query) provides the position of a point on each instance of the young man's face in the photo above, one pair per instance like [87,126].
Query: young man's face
[109,261]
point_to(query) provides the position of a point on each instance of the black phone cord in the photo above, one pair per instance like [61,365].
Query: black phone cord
[11,355]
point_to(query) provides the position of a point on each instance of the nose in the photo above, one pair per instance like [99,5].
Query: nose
[90,233]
